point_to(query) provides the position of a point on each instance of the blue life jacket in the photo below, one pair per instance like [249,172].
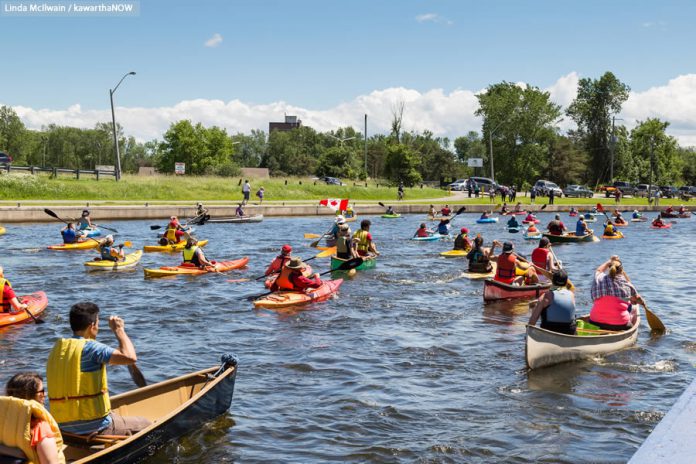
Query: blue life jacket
[561,309]
[69,236]
[579,229]
[106,253]
[442,229]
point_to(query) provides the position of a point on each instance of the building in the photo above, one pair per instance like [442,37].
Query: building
[291,122]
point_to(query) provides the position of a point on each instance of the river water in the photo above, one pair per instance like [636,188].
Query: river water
[406,364]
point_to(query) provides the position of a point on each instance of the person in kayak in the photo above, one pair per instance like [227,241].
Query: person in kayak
[174,232]
[542,256]
[573,211]
[658,222]
[512,223]
[423,231]
[443,227]
[504,210]
[85,222]
[486,215]
[70,235]
[513,271]
[532,229]
[682,210]
[518,207]
[297,278]
[636,215]
[193,254]
[614,297]
[8,300]
[557,307]
[556,227]
[669,210]
[43,442]
[618,218]
[581,227]
[462,242]
[446,211]
[431,211]
[78,391]
[609,229]
[344,243]
[108,252]
[389,210]
[239,212]
[530,218]
[280,261]
[349,213]
[362,240]
[480,257]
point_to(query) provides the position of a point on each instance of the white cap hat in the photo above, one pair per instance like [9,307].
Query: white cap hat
[340,219]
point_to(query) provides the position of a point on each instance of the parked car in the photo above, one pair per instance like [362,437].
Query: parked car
[579,191]
[459,185]
[669,191]
[332,180]
[642,190]
[544,187]
[5,158]
[626,188]
[484,183]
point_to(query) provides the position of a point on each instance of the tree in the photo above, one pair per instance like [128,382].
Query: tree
[292,152]
[402,164]
[649,140]
[249,149]
[591,110]
[566,162]
[470,146]
[339,162]
[12,134]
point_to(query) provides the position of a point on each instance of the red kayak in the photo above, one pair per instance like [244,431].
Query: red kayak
[535,221]
[663,226]
[572,214]
[190,269]
[37,303]
[272,278]
[494,290]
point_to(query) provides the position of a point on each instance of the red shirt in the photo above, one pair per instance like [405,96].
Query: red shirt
[7,295]
[301,282]
[422,233]
[445,211]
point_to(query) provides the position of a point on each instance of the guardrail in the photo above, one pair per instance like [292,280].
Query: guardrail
[55,171]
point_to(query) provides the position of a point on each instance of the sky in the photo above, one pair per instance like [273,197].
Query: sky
[240,64]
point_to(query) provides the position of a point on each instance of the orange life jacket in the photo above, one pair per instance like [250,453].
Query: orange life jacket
[540,256]
[283,281]
[506,266]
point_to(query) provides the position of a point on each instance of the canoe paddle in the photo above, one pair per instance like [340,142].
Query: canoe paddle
[316,242]
[137,376]
[653,320]
[345,266]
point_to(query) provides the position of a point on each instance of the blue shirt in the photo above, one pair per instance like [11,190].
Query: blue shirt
[580,228]
[94,354]
[69,236]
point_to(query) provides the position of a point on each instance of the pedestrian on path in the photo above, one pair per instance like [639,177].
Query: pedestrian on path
[259,193]
[551,195]
[532,195]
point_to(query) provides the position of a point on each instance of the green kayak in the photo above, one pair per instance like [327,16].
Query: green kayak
[391,216]
[368,263]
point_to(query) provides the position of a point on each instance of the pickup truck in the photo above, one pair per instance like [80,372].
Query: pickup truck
[626,188]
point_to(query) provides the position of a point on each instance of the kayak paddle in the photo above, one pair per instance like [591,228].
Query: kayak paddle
[52,214]
[459,211]
[328,252]
[345,266]
[155,227]
[36,320]
[107,228]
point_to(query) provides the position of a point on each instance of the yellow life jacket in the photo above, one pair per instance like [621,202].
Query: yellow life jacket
[170,234]
[75,395]
[360,236]
[15,429]
[609,230]
[189,253]
[4,303]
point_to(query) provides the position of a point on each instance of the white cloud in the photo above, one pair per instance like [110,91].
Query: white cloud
[433,18]
[444,113]
[214,41]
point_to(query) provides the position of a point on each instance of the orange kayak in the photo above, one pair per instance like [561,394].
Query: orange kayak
[272,278]
[37,303]
[220,266]
[283,299]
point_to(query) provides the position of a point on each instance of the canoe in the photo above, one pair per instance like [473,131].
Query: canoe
[455,253]
[37,303]
[285,298]
[129,262]
[236,219]
[175,407]
[613,237]
[664,226]
[534,221]
[513,230]
[171,248]
[570,237]
[91,231]
[532,236]
[478,276]
[487,220]
[391,216]
[438,218]
[431,238]
[494,290]
[642,219]
[81,245]
[546,348]
[220,266]
[369,262]
[675,215]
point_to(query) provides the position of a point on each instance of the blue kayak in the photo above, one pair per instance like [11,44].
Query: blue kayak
[432,238]
[92,231]
[486,220]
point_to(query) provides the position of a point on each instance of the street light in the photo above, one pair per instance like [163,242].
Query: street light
[113,123]
[340,139]
[490,143]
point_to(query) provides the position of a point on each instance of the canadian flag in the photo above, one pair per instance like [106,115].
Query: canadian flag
[335,203]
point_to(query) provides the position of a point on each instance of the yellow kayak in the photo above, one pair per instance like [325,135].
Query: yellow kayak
[2,230]
[105,265]
[171,248]
[454,254]
[613,237]
[83,245]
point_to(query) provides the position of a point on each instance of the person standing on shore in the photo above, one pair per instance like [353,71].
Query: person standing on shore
[532,195]
[260,194]
[551,195]
[246,190]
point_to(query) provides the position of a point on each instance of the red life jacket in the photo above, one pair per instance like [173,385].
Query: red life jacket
[422,233]
[283,281]
[506,266]
[539,257]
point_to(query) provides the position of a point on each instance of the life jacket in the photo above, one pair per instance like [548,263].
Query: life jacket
[343,247]
[69,236]
[532,228]
[422,233]
[277,264]
[609,229]
[360,236]
[555,228]
[562,309]
[84,223]
[190,256]
[4,305]
[106,253]
[15,431]
[478,263]
[506,266]
[170,234]
[539,257]
[530,218]
[283,280]
[461,242]
[513,222]
[75,395]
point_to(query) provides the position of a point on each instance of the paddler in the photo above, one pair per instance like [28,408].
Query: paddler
[30,429]
[9,302]
[344,243]
[636,214]
[174,232]
[669,210]
[513,271]
[362,240]
[443,227]
[297,278]
[518,207]
[658,222]
[462,242]
[423,231]
[609,229]
[512,222]
[557,307]
[556,227]
[618,218]
[108,252]
[504,210]
[581,227]
[78,393]
[542,256]
[70,235]
[193,254]
[332,236]
[486,215]
[573,211]
[239,212]
[446,211]
[200,210]
[532,229]
[85,222]
[682,210]
[348,213]
[480,257]
[614,297]
[530,218]
[280,261]
[390,210]
[431,211]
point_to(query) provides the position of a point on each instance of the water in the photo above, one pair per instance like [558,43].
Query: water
[407,364]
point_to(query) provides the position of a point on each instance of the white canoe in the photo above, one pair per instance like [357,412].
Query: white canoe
[546,348]
[237,219]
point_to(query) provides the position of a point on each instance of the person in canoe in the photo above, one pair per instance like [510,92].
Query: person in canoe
[297,278]
[556,227]
[462,242]
[389,210]
[332,236]
[513,271]
[362,240]
[70,235]
[239,212]
[423,231]
[581,227]
[280,261]
[518,207]
[658,222]
[193,254]
[512,223]
[669,210]
[542,256]
[557,307]
[636,215]
[446,211]
[530,218]
[480,257]
[43,442]
[682,210]
[78,391]
[108,252]
[443,227]
[344,243]
[8,300]
[174,232]
[85,222]
[504,209]
[609,228]
[614,297]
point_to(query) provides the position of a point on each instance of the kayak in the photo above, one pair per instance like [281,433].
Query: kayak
[494,290]
[513,230]
[285,298]
[664,226]
[592,219]
[613,237]
[570,237]
[369,262]
[642,219]
[81,245]
[438,218]
[175,407]
[455,253]
[572,214]
[512,213]
[479,275]
[621,224]
[675,215]
[171,248]
[533,221]
[391,216]
[190,269]
[237,219]
[37,303]
[91,231]
[546,348]
[272,278]
[533,236]
[486,220]
[431,238]
[129,262]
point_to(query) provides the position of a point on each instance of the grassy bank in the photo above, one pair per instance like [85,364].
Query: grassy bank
[20,186]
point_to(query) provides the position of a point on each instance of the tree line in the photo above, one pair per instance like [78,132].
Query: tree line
[520,125]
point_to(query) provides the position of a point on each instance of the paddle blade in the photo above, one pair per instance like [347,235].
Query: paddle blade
[137,376]
[315,243]
[328,252]
[460,210]
[312,236]
[543,207]
[127,244]
[653,321]
[381,204]
[155,227]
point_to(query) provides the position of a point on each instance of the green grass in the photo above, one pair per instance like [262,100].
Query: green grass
[21,186]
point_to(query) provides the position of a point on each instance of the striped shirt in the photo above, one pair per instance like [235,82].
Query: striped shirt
[604,285]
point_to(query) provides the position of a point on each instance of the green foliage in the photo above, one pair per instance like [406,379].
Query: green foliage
[203,150]
[566,162]
[650,141]
[339,162]
[292,152]
[12,133]
[402,164]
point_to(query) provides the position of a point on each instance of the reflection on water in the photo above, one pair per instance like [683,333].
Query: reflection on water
[407,363]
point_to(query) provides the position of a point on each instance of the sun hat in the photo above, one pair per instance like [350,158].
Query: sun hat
[507,247]
[295,263]
[286,249]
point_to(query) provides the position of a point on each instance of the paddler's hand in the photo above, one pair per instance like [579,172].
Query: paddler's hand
[316,275]
[116,324]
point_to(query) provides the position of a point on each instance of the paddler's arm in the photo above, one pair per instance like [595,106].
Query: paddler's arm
[125,354]
[542,303]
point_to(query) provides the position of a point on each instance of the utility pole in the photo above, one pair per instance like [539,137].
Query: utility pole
[366,147]
[612,147]
[652,158]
